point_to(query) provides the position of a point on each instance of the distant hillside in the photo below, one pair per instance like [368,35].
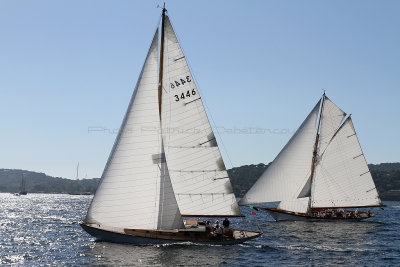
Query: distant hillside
[10,181]
[243,177]
[385,175]
[387,179]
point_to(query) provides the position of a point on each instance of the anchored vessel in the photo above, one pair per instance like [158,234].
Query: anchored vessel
[22,189]
[320,172]
[165,163]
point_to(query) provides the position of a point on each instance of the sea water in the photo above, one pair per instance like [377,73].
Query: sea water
[42,229]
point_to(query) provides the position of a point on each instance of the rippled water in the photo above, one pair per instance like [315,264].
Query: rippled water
[41,229]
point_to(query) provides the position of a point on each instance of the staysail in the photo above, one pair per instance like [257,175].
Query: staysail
[135,189]
[198,174]
[342,177]
[288,174]
[295,205]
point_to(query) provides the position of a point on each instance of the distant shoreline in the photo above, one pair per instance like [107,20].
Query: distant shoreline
[386,177]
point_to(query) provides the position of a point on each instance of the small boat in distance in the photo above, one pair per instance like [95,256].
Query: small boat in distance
[165,163]
[319,173]
[22,190]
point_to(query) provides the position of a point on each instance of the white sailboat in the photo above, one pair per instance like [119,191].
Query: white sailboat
[320,172]
[165,162]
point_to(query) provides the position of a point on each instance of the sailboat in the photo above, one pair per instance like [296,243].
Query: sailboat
[320,172]
[22,190]
[165,163]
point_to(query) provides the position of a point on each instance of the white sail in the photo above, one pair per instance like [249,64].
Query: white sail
[342,177]
[287,176]
[331,118]
[135,191]
[295,205]
[196,168]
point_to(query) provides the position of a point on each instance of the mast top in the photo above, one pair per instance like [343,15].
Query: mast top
[164,9]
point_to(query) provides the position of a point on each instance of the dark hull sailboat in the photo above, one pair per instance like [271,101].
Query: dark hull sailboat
[152,237]
[157,175]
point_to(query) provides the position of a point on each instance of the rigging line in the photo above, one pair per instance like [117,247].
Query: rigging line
[205,104]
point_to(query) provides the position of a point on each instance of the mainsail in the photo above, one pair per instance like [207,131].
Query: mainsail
[198,174]
[342,177]
[289,173]
[135,191]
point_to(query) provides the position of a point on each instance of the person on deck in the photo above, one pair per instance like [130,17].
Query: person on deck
[226,229]
[208,226]
[226,223]
[218,231]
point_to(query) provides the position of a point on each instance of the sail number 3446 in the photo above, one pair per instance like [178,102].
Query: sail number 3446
[183,95]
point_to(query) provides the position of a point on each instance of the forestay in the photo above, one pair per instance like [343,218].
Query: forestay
[342,177]
[135,191]
[288,174]
[198,174]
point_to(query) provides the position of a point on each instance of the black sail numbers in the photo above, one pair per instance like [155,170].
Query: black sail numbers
[183,94]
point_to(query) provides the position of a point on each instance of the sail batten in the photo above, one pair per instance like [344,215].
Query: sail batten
[194,161]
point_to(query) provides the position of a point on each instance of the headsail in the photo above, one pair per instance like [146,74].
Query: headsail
[198,174]
[295,205]
[288,174]
[135,190]
[342,177]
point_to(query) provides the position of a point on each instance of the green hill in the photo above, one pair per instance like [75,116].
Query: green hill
[36,182]
[385,175]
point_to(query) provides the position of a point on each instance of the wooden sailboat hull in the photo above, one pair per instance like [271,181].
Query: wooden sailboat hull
[154,237]
[282,215]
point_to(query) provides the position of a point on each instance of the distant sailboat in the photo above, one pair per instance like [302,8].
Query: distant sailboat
[77,172]
[165,162]
[22,190]
[320,172]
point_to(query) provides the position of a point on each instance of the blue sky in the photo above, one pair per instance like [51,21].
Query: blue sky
[68,66]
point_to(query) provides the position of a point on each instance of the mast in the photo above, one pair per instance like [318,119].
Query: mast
[314,159]
[22,183]
[160,76]
[77,171]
